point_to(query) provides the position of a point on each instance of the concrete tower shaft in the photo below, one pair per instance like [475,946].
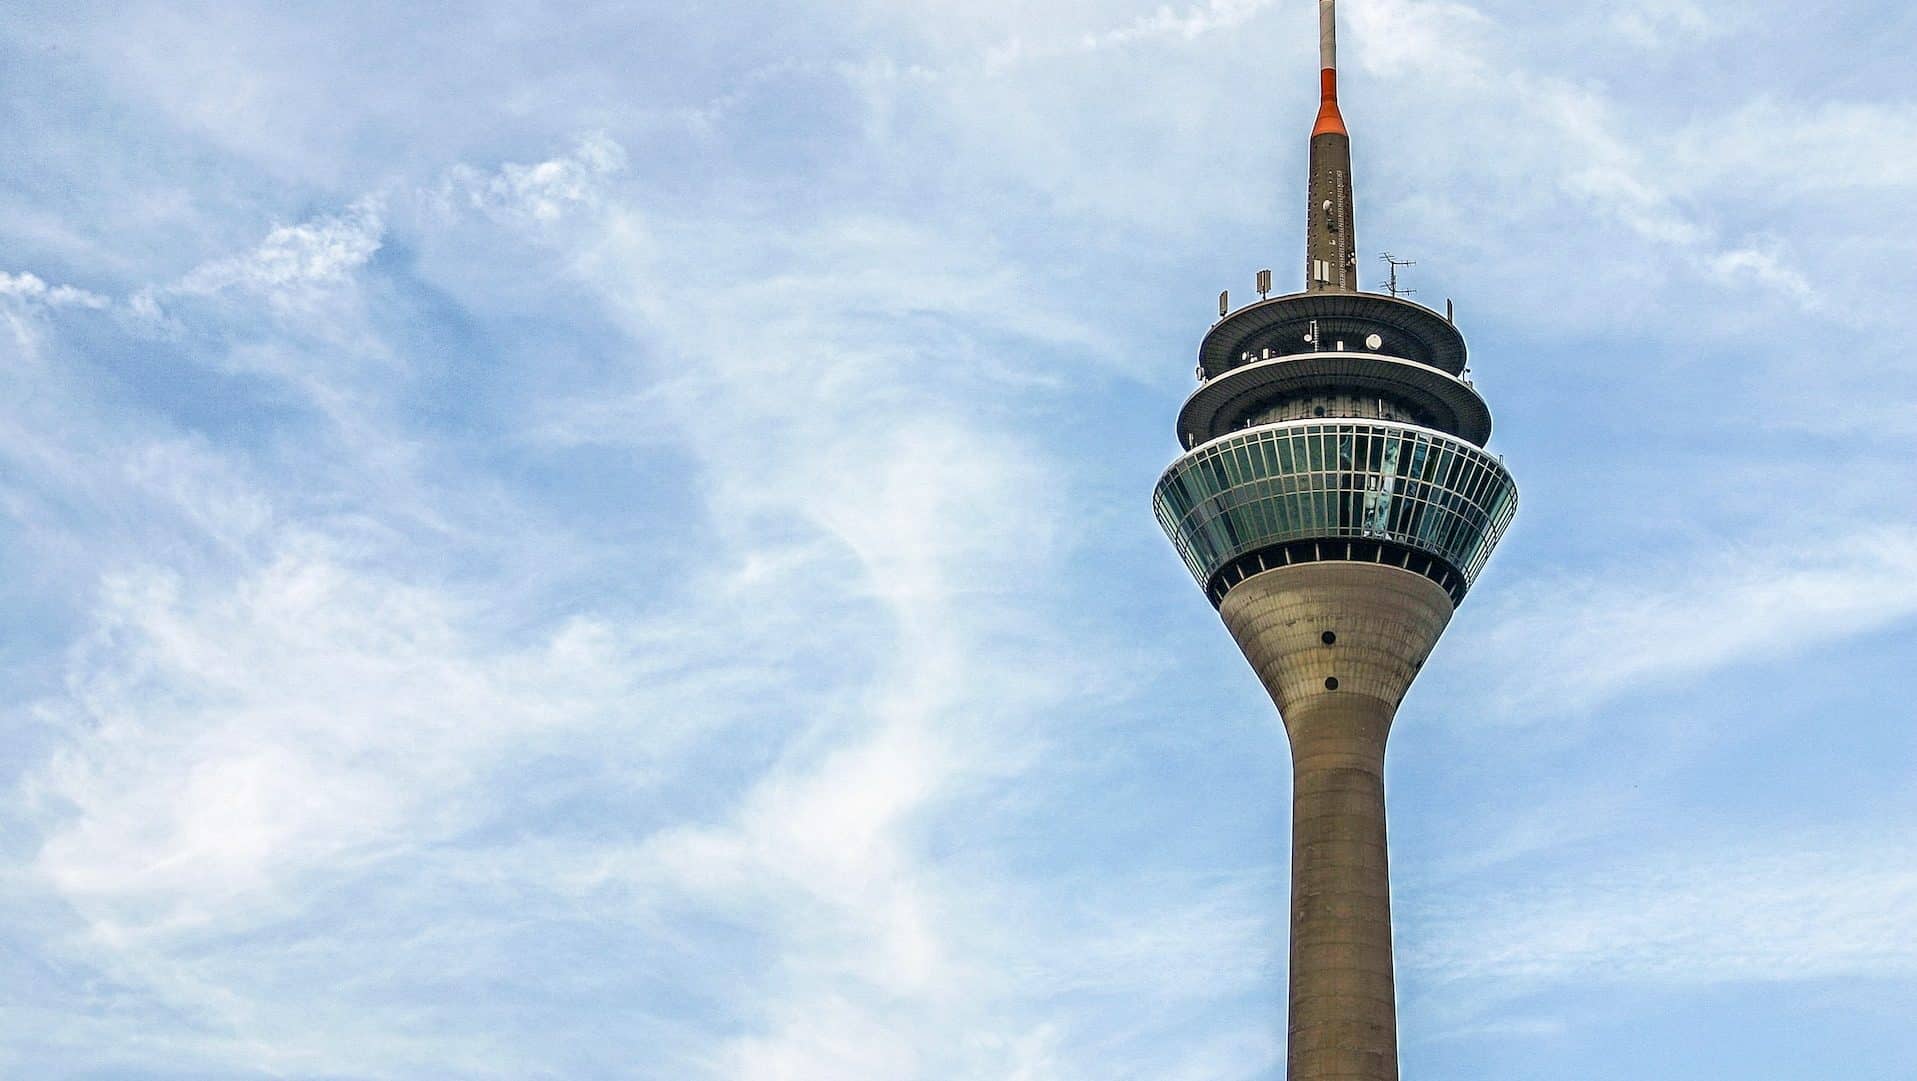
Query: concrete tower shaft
[1335,503]
[1337,646]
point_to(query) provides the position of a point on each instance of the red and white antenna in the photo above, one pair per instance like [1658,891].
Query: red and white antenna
[1331,248]
[1330,121]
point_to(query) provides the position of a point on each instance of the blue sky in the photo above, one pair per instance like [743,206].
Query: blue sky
[604,540]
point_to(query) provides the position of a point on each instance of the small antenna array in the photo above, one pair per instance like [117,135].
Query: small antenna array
[1392,285]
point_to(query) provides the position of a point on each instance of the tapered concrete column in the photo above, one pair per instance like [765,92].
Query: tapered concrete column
[1343,1022]
[1337,645]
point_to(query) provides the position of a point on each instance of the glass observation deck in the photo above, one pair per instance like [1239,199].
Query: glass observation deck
[1310,491]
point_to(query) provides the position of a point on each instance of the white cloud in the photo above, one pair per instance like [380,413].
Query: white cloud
[1765,267]
[313,254]
[539,193]
[1163,24]
[1791,911]
[1551,146]
[1573,643]
[250,740]
[236,758]
[1765,148]
[29,287]
[1435,38]
[1672,24]
[227,743]
[859,406]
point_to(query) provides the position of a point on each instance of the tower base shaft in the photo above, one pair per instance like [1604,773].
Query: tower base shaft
[1343,1024]
[1337,645]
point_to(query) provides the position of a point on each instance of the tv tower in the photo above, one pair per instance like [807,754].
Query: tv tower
[1336,504]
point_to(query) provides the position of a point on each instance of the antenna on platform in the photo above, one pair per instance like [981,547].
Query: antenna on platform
[1264,284]
[1224,304]
[1392,286]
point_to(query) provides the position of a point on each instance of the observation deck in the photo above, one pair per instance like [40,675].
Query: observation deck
[1335,491]
[1334,427]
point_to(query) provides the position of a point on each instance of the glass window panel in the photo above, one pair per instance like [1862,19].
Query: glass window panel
[1378,512]
[1420,453]
[1485,476]
[1416,511]
[1402,512]
[1502,513]
[1469,482]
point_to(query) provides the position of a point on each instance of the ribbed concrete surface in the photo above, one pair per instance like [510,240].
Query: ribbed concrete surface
[1343,1023]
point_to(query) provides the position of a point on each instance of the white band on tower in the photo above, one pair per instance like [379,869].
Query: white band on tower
[1328,34]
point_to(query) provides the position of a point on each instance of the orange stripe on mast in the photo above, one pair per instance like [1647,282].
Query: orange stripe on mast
[1330,120]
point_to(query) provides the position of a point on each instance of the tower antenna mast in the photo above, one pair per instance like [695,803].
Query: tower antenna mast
[1392,285]
[1331,241]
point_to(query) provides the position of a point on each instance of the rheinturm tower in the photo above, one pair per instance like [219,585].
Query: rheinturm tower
[1336,504]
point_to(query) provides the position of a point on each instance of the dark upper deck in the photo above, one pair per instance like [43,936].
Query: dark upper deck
[1230,401]
[1282,324]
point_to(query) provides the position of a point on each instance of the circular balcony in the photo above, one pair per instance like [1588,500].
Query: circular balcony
[1281,324]
[1225,402]
[1308,491]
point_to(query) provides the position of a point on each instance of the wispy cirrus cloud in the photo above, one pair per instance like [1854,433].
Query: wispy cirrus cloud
[1574,643]
[1603,158]
[1672,24]
[1165,23]
[541,192]
[28,287]
[314,253]
[1807,909]
[1760,147]
[668,599]
[322,706]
